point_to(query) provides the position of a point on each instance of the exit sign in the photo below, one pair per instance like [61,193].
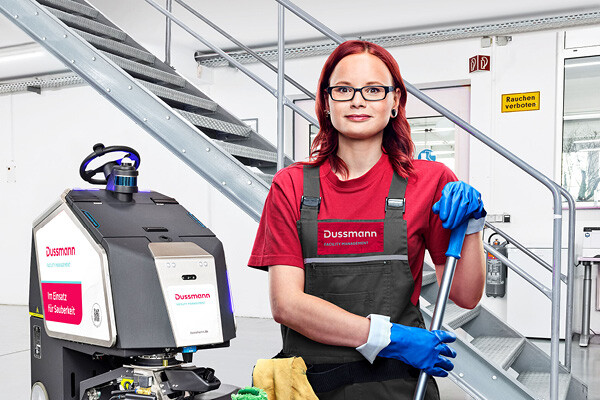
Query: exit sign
[479,63]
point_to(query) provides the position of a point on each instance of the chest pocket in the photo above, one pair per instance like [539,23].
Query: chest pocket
[361,288]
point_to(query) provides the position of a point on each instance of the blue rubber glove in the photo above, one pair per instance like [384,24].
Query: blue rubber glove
[460,202]
[421,348]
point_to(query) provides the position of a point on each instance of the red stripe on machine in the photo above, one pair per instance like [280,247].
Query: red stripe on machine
[62,302]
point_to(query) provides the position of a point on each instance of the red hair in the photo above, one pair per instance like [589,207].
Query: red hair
[397,143]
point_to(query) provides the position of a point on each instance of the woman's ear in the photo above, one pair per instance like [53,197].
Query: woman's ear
[397,95]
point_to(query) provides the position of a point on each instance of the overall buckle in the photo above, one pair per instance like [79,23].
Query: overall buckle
[394,204]
[314,202]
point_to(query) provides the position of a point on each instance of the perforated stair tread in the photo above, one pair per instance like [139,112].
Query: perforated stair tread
[116,47]
[146,70]
[180,97]
[215,124]
[88,25]
[539,382]
[429,277]
[248,152]
[501,350]
[455,316]
[71,6]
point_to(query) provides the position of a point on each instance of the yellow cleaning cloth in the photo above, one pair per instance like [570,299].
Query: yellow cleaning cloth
[283,379]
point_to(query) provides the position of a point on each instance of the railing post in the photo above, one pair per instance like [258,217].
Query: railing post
[570,277]
[556,271]
[280,85]
[169,8]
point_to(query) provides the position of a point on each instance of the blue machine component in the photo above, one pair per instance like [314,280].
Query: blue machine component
[189,349]
[126,181]
[192,216]
[92,220]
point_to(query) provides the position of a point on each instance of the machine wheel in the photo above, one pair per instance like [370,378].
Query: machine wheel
[38,392]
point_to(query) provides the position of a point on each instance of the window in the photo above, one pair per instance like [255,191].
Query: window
[581,129]
[434,139]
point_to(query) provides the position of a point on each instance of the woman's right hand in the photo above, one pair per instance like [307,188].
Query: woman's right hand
[421,348]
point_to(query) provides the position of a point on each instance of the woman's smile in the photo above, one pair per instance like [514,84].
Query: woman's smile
[358,117]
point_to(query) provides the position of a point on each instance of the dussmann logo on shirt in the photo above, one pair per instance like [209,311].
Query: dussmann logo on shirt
[348,234]
[350,237]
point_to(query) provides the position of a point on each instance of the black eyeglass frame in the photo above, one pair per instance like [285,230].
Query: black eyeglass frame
[387,90]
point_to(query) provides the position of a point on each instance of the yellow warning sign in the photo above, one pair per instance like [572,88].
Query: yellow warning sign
[520,102]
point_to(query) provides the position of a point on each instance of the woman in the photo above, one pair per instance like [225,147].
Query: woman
[344,237]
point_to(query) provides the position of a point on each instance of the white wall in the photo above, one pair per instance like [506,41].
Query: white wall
[47,135]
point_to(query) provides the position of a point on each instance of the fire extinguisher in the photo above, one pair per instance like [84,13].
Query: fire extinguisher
[496,271]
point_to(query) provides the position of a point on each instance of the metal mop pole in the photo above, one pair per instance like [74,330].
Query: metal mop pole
[453,255]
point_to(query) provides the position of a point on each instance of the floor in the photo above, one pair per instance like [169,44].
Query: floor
[257,338]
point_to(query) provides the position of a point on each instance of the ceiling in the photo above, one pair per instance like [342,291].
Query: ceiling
[255,22]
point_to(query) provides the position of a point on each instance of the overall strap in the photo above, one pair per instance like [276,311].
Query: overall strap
[311,201]
[394,226]
[395,202]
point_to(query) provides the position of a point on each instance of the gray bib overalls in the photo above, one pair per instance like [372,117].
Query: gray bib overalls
[367,283]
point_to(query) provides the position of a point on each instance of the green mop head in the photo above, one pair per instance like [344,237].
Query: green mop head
[250,393]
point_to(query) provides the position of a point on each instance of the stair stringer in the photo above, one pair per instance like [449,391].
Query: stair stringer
[173,131]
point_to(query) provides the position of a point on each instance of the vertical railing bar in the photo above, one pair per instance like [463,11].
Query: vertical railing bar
[571,279]
[169,7]
[244,47]
[280,84]
[555,319]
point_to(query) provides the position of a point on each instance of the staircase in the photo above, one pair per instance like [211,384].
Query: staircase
[494,361]
[220,147]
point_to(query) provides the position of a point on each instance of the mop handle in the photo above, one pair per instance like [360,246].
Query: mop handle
[457,237]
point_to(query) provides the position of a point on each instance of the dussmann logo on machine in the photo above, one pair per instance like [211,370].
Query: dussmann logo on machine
[348,234]
[193,296]
[60,251]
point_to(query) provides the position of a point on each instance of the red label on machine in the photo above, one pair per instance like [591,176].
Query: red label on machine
[490,256]
[62,302]
[350,237]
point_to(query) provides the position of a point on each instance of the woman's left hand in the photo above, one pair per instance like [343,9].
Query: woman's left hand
[459,203]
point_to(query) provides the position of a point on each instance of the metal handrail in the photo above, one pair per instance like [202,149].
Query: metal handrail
[234,62]
[520,271]
[525,250]
[244,47]
[571,278]
[564,278]
[556,190]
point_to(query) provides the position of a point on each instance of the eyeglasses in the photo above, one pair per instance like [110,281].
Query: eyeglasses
[369,93]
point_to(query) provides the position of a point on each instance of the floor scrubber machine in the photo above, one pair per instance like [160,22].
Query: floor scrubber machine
[125,286]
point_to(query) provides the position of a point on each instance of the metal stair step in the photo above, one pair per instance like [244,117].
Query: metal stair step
[539,382]
[429,277]
[72,6]
[86,24]
[455,316]
[265,177]
[248,152]
[145,70]
[180,97]
[116,47]
[501,350]
[215,124]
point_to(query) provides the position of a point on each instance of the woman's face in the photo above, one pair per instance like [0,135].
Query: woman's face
[358,118]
